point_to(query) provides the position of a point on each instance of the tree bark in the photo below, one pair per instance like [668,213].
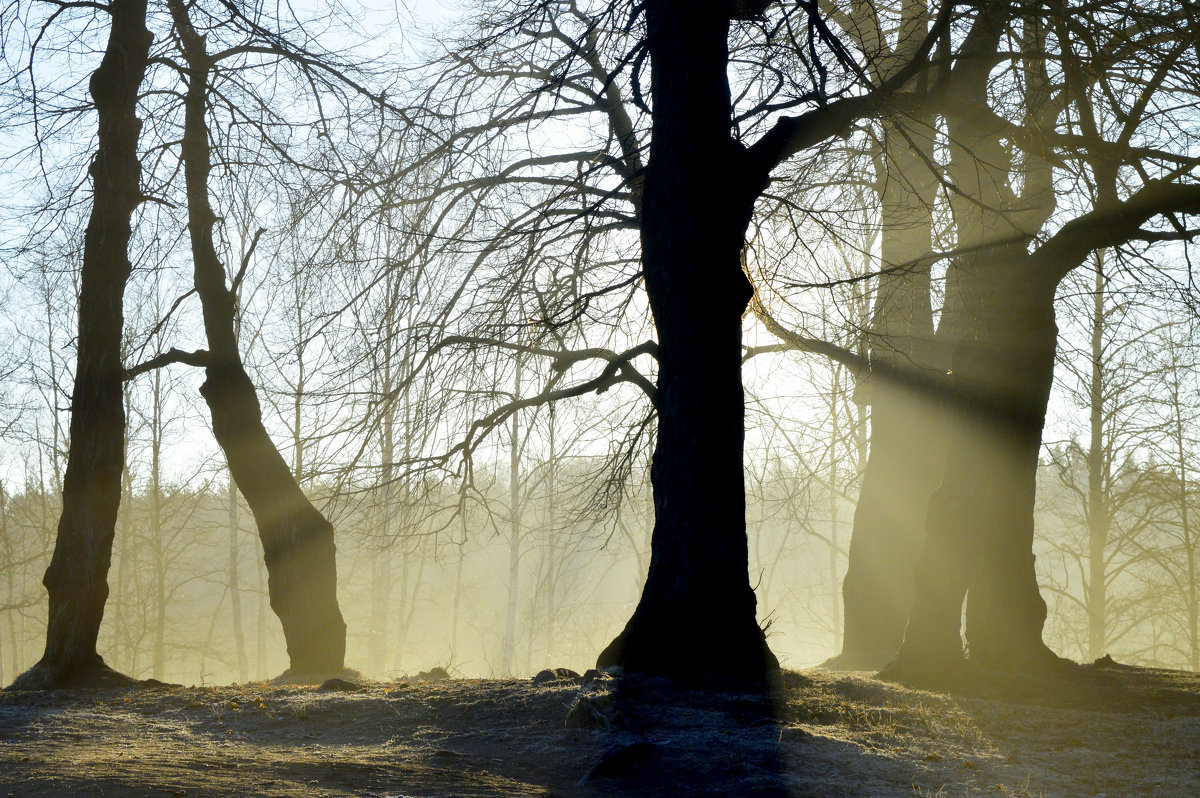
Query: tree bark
[696,616]
[1012,360]
[908,429]
[979,529]
[297,540]
[77,577]
[979,533]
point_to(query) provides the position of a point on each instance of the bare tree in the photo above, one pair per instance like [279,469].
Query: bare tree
[297,539]
[77,576]
[980,524]
[907,426]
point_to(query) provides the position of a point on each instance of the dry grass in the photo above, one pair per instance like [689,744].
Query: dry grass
[1126,733]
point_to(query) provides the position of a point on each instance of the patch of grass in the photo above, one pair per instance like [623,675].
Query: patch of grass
[300,709]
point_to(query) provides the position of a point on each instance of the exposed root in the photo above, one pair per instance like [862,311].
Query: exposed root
[95,674]
[314,677]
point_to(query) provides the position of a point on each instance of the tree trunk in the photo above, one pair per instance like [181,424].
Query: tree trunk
[77,577]
[696,617]
[235,585]
[908,429]
[297,540]
[158,545]
[908,435]
[1005,610]
[514,540]
[1098,517]
[980,528]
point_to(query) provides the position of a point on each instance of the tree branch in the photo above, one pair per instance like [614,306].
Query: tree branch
[1114,225]
[791,134]
[199,358]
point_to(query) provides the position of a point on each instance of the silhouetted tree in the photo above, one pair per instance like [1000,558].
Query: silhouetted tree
[77,576]
[907,425]
[979,531]
[297,540]
[697,610]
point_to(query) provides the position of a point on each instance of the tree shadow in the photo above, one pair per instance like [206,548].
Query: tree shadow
[668,739]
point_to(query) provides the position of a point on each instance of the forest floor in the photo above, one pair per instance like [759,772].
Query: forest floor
[1104,732]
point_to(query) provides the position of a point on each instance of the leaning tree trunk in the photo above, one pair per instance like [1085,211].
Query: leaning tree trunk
[696,617]
[77,577]
[297,540]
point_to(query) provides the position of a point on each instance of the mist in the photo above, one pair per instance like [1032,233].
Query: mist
[724,394]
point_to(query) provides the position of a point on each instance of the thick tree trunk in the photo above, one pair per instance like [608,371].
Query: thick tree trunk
[1014,364]
[77,576]
[908,427]
[696,616]
[980,524]
[297,540]
[979,530]
[908,432]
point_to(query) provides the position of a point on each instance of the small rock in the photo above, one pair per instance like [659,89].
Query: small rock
[591,712]
[553,675]
[594,676]
[790,734]
[336,686]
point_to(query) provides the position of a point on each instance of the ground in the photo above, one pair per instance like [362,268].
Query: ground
[1104,732]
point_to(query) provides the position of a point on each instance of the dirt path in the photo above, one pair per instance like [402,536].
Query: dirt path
[1119,733]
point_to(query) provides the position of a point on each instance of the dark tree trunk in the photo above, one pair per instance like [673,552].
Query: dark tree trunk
[297,540]
[1013,363]
[77,579]
[980,526]
[696,617]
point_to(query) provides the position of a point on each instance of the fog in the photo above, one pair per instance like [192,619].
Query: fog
[386,312]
